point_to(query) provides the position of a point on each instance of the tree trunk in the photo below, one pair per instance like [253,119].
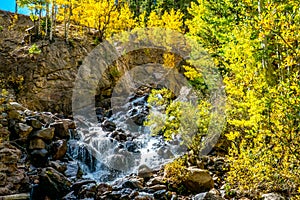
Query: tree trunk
[52,20]
[16,7]
[47,16]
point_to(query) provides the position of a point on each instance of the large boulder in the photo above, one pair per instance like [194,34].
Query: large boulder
[23,130]
[46,134]
[54,184]
[59,149]
[198,180]
[61,129]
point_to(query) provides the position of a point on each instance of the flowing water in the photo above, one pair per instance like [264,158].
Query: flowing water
[120,143]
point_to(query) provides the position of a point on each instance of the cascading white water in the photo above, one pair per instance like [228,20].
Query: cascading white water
[105,157]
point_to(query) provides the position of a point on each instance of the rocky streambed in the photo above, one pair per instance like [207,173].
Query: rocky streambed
[44,156]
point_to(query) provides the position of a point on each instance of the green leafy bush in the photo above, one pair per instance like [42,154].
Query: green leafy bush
[34,49]
[178,118]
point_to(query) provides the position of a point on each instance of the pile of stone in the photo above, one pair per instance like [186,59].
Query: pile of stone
[32,145]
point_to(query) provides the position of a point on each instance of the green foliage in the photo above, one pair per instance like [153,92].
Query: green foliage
[175,174]
[178,118]
[46,22]
[34,49]
[256,42]
[1,28]
[114,72]
[195,79]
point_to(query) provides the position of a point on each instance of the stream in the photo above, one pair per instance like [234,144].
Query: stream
[120,143]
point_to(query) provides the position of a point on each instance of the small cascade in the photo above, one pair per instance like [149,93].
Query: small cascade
[120,143]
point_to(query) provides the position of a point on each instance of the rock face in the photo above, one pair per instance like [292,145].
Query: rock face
[49,76]
[46,80]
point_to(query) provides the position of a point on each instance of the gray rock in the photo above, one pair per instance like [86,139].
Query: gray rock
[144,171]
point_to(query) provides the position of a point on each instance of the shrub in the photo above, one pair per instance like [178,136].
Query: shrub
[188,121]
[175,174]
[34,49]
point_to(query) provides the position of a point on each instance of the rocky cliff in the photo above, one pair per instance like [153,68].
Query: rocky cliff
[41,81]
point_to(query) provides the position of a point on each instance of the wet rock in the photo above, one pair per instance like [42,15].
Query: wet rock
[23,130]
[132,184]
[131,146]
[77,186]
[39,157]
[37,143]
[114,195]
[34,123]
[54,184]
[58,166]
[70,196]
[165,153]
[59,149]
[133,194]
[103,188]
[144,171]
[272,196]
[87,191]
[108,125]
[71,124]
[83,154]
[61,129]
[199,180]
[46,134]
[161,194]
[120,162]
[73,169]
[122,137]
